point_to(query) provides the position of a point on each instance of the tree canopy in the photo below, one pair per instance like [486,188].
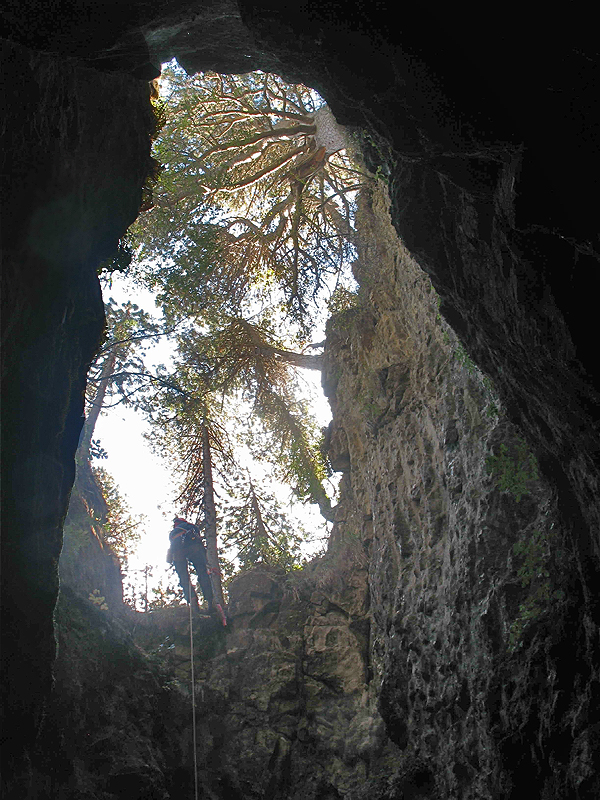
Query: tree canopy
[256,194]
[254,209]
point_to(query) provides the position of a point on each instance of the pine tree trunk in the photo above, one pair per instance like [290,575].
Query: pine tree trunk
[87,433]
[303,360]
[210,517]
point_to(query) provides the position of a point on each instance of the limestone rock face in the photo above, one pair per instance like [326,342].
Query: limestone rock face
[433,651]
[283,696]
[118,724]
[87,563]
[469,584]
[483,618]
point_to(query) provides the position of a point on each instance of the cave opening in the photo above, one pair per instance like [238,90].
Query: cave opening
[243,252]
[460,634]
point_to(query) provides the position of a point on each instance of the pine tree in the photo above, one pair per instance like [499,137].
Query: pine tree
[118,374]
[257,188]
[257,528]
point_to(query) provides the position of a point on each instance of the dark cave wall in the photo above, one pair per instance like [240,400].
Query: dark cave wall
[489,146]
[76,145]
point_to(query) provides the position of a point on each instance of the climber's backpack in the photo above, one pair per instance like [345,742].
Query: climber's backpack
[183,532]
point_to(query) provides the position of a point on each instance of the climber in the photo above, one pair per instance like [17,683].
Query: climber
[186,545]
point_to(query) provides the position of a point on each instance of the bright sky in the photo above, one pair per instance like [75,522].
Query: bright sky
[144,479]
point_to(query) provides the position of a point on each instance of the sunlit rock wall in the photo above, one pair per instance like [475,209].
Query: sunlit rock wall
[87,563]
[435,650]
[473,602]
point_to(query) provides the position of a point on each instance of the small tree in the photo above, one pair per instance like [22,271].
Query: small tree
[165,595]
[118,374]
[121,531]
[257,530]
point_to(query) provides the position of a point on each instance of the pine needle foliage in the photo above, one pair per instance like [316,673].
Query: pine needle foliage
[257,190]
[257,529]
[120,530]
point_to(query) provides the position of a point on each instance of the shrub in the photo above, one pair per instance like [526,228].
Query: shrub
[533,556]
[514,469]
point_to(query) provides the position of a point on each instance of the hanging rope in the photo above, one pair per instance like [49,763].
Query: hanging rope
[193,690]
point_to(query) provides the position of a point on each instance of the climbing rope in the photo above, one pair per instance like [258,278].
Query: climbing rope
[193,691]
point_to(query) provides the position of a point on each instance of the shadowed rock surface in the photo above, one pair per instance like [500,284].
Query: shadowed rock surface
[478,627]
